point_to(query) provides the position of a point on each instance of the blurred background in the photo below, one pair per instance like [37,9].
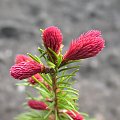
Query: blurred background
[98,79]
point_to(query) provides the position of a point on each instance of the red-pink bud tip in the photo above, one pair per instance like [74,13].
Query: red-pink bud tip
[52,38]
[37,76]
[22,58]
[74,115]
[87,45]
[38,105]
[25,69]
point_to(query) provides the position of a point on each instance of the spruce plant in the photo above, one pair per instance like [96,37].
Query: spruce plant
[50,73]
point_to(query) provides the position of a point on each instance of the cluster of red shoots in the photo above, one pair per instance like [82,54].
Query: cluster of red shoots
[86,45]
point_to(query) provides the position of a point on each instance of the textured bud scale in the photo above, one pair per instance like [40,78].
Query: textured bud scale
[38,105]
[87,45]
[21,58]
[52,38]
[25,69]
[37,76]
[74,115]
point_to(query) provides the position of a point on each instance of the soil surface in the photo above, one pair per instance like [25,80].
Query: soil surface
[98,79]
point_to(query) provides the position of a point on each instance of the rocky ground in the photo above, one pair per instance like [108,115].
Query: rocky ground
[98,78]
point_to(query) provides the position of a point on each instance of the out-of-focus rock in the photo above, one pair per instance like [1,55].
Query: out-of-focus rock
[98,78]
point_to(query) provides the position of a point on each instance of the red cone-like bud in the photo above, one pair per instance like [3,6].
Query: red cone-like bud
[37,76]
[40,79]
[52,38]
[87,45]
[21,58]
[74,115]
[38,105]
[26,69]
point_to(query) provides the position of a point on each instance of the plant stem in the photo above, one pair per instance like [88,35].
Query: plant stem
[54,85]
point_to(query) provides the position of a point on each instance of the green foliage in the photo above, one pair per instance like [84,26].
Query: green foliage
[43,115]
[34,58]
[65,94]
[32,115]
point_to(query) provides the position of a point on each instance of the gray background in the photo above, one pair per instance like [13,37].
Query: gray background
[98,78]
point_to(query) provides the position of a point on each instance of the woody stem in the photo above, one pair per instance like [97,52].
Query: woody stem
[54,84]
